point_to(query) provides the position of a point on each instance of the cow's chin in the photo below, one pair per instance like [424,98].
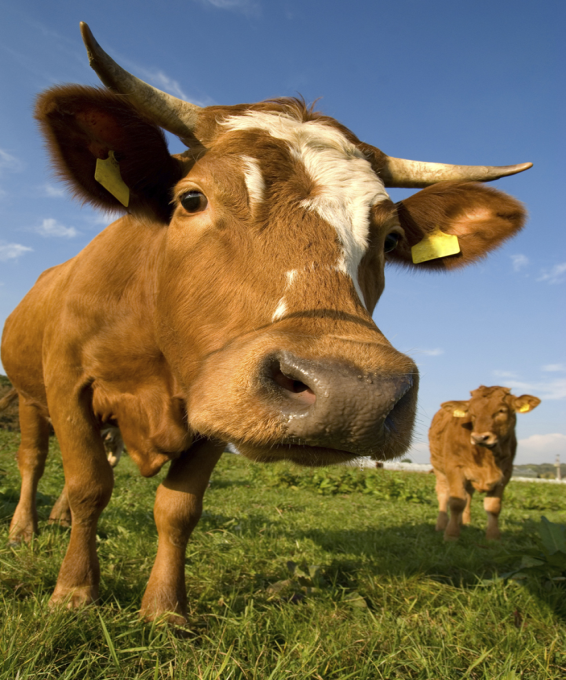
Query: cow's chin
[310,456]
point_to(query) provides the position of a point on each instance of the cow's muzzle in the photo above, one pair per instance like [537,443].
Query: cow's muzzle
[486,439]
[333,404]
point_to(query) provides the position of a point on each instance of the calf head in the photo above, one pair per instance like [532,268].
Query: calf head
[491,414]
[272,231]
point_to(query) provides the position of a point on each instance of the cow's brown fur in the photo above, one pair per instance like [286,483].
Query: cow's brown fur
[472,448]
[164,323]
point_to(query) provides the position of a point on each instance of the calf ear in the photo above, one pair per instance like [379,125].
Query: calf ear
[458,409]
[480,217]
[525,403]
[83,124]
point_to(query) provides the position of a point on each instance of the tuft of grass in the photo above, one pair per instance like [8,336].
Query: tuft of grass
[291,574]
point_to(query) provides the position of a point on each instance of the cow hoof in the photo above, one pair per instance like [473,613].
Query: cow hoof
[61,521]
[73,598]
[166,609]
[451,539]
[20,536]
[169,617]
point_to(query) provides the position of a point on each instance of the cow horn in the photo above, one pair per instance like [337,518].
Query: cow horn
[172,114]
[399,172]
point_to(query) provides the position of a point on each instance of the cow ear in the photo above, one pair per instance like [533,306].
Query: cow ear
[84,125]
[525,403]
[458,409]
[481,218]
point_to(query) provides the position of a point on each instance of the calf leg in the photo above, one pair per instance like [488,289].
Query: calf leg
[456,503]
[492,505]
[178,507]
[467,516]
[31,462]
[442,493]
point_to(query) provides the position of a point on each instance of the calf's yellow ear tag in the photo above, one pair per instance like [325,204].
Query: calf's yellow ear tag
[108,174]
[458,413]
[434,245]
[524,408]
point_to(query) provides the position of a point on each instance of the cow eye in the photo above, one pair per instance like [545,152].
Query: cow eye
[391,241]
[194,201]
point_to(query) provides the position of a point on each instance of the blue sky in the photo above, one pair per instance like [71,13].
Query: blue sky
[471,83]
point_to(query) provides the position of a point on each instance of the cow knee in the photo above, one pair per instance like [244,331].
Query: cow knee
[457,505]
[492,505]
[176,515]
[88,498]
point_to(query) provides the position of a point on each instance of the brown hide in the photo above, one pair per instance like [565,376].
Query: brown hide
[472,448]
[244,315]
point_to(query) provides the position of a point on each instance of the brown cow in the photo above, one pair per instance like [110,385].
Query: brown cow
[472,448]
[232,304]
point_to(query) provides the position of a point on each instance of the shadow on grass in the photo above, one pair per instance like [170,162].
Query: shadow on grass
[410,550]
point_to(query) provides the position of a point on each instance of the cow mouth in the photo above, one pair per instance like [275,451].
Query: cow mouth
[485,445]
[303,454]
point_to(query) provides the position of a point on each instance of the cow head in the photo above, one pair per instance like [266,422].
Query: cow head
[272,233]
[491,414]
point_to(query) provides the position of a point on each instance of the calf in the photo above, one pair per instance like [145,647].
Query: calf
[472,447]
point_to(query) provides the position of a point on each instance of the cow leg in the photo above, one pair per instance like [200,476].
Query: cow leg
[114,445]
[442,493]
[467,516]
[178,507]
[492,505]
[32,454]
[61,511]
[456,503]
[89,482]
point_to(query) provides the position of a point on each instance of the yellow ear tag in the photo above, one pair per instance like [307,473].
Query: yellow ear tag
[524,408]
[108,174]
[434,245]
[459,414]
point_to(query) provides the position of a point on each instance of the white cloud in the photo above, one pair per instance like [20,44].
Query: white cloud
[555,275]
[429,352]
[50,227]
[54,191]
[11,251]
[551,390]
[505,374]
[9,162]
[246,6]
[554,368]
[519,262]
[541,448]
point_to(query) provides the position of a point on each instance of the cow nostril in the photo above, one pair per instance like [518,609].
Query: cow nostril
[295,388]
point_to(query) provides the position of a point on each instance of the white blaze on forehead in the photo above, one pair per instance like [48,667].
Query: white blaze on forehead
[347,185]
[254,179]
[281,310]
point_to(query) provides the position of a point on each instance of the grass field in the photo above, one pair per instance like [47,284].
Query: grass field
[291,573]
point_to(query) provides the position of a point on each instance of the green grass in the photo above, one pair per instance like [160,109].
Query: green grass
[291,574]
